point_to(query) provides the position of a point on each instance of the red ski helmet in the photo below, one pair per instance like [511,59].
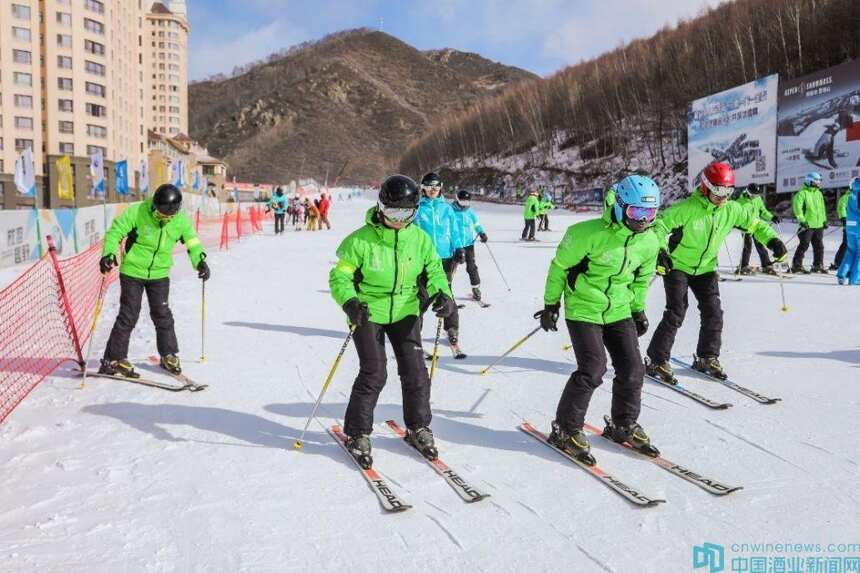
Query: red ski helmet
[718,179]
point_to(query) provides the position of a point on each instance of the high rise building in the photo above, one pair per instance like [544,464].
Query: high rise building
[78,76]
[166,67]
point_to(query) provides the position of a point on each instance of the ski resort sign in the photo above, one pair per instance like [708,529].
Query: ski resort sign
[736,126]
[819,127]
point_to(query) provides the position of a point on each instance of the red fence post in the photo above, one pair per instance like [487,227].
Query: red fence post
[197,223]
[239,223]
[70,320]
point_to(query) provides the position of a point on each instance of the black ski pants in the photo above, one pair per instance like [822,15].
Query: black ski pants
[590,343]
[840,254]
[814,236]
[529,229]
[279,222]
[763,255]
[472,266]
[543,225]
[425,302]
[405,339]
[706,289]
[130,298]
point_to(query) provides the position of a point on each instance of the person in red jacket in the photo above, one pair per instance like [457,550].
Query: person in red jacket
[325,203]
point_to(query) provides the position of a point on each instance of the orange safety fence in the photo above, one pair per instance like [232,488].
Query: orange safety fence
[46,314]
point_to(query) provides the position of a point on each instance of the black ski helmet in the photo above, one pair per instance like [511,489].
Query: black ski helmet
[279,192]
[463,195]
[431,178]
[400,192]
[167,199]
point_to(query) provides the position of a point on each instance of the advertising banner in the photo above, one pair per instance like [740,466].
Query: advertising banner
[18,237]
[819,127]
[737,126]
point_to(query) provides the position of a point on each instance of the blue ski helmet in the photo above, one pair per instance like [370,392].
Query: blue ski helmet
[812,178]
[855,184]
[635,191]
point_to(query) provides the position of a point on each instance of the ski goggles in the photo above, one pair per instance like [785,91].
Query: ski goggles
[434,187]
[163,216]
[463,203]
[635,213]
[718,190]
[397,214]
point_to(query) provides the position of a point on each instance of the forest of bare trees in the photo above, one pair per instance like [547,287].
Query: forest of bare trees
[641,91]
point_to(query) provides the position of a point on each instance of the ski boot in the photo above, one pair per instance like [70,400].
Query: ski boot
[476,293]
[819,270]
[574,443]
[171,364]
[632,434]
[709,365]
[122,368]
[842,280]
[422,440]
[359,448]
[769,270]
[454,344]
[662,371]
[799,270]
[746,271]
[834,267]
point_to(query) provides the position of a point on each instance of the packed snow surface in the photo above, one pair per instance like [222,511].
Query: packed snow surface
[119,477]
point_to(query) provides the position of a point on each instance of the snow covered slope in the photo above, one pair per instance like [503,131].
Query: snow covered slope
[119,477]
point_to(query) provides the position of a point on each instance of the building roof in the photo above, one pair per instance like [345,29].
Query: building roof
[159,8]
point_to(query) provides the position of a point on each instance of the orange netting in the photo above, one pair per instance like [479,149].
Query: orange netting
[46,314]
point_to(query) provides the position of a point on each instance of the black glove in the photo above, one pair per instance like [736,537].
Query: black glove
[826,224]
[443,305]
[106,263]
[664,262]
[641,322]
[357,311]
[776,220]
[803,227]
[459,256]
[483,237]
[548,317]
[203,272]
[844,221]
[778,249]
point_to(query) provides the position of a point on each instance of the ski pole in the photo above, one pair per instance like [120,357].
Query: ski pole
[203,322]
[436,348]
[498,268]
[514,347]
[299,444]
[96,314]
[782,280]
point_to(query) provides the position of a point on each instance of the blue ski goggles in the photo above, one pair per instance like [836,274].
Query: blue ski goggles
[635,213]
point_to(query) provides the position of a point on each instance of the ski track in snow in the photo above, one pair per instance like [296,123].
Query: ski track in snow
[118,477]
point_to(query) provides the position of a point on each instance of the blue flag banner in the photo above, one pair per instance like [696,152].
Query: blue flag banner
[121,172]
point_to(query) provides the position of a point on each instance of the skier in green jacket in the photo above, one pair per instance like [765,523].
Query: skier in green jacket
[531,209]
[603,268]
[151,230]
[695,229]
[751,196]
[811,215]
[544,207]
[375,282]
[842,214]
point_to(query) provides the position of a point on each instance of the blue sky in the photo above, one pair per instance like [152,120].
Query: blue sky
[542,36]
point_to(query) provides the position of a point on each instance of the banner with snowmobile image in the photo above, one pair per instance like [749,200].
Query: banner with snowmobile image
[819,127]
[738,127]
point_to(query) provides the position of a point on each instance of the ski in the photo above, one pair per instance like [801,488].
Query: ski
[466,492]
[389,500]
[690,394]
[190,384]
[609,480]
[141,381]
[461,306]
[729,384]
[730,278]
[707,484]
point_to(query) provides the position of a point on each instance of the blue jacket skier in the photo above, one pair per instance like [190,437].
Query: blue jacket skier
[849,270]
[436,217]
[468,228]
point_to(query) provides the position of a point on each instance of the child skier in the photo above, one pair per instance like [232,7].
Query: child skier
[468,229]
[298,215]
[751,196]
[436,218]
[324,206]
[531,210]
[603,269]
[313,212]
[849,270]
[375,282]
[695,230]
[811,215]
[545,207]
[151,229]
